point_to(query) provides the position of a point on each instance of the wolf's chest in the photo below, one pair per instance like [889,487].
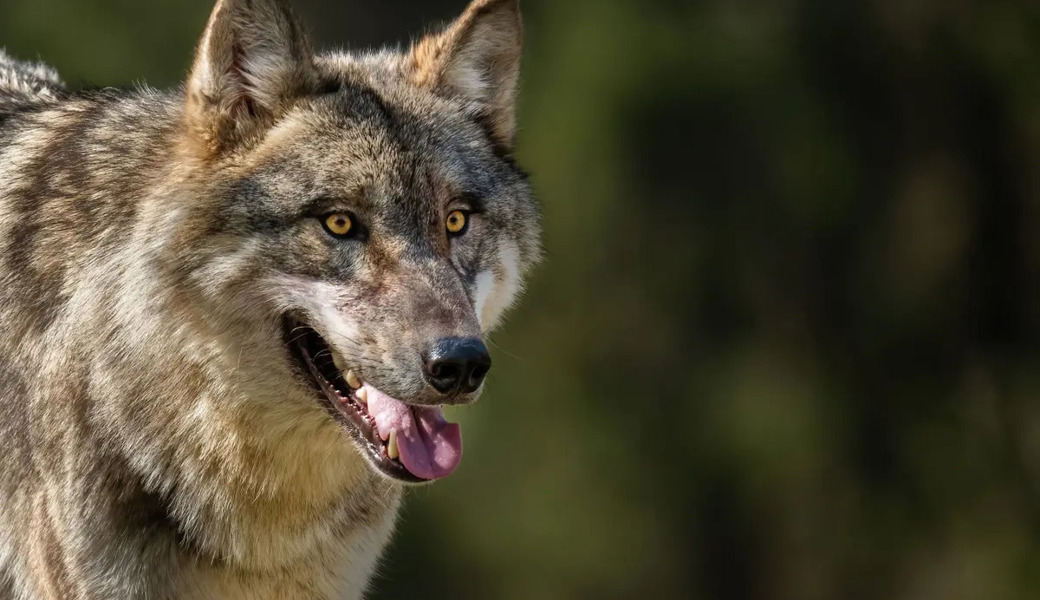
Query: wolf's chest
[335,570]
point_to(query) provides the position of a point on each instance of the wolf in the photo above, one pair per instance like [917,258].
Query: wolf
[232,312]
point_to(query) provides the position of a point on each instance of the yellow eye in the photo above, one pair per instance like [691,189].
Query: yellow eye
[457,222]
[339,224]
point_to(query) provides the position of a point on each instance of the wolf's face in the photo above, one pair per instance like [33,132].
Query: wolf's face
[366,225]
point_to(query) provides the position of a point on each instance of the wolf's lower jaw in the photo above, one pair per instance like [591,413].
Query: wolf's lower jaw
[407,443]
[342,401]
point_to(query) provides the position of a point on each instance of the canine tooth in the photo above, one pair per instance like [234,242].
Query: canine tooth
[336,360]
[391,448]
[352,379]
[362,395]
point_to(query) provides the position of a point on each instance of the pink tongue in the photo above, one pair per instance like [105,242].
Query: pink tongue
[430,448]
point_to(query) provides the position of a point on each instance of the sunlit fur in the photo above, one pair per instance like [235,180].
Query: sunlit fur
[156,438]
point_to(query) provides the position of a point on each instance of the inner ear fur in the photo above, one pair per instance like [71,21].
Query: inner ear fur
[476,58]
[253,60]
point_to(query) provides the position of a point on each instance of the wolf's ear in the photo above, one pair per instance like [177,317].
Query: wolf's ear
[477,58]
[253,60]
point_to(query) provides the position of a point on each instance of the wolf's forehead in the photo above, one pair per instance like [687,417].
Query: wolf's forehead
[357,138]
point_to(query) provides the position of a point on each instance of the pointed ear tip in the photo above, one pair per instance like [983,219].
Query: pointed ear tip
[505,13]
[492,5]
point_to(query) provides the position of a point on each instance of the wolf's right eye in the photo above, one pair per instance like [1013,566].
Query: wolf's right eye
[339,225]
[457,223]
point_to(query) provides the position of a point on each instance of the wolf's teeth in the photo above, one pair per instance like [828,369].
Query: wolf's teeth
[391,447]
[352,379]
[362,395]
[336,360]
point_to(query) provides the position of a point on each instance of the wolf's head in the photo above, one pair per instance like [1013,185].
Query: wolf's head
[360,225]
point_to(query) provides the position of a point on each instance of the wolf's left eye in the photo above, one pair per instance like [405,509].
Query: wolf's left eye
[457,223]
[339,224]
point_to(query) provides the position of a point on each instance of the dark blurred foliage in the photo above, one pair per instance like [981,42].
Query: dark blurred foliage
[785,344]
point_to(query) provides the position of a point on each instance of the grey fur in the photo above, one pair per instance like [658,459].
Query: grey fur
[27,83]
[157,438]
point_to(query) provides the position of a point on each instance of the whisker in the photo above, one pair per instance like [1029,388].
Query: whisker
[504,351]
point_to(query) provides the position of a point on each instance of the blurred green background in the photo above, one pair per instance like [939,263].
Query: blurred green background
[785,344]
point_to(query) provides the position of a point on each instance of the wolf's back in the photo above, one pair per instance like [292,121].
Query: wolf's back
[24,84]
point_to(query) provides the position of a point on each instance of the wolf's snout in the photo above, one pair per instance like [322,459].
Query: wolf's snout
[457,365]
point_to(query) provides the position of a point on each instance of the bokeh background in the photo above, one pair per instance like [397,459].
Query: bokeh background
[785,344]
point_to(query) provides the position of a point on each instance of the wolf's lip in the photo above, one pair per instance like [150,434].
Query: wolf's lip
[409,443]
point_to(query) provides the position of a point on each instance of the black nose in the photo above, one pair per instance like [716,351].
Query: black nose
[457,365]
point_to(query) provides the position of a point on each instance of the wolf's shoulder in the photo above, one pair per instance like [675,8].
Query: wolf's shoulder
[25,83]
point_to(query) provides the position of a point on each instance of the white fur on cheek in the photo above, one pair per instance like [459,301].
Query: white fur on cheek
[492,303]
[319,300]
[321,303]
[485,285]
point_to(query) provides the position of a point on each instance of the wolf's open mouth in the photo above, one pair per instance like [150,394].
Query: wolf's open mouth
[406,442]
